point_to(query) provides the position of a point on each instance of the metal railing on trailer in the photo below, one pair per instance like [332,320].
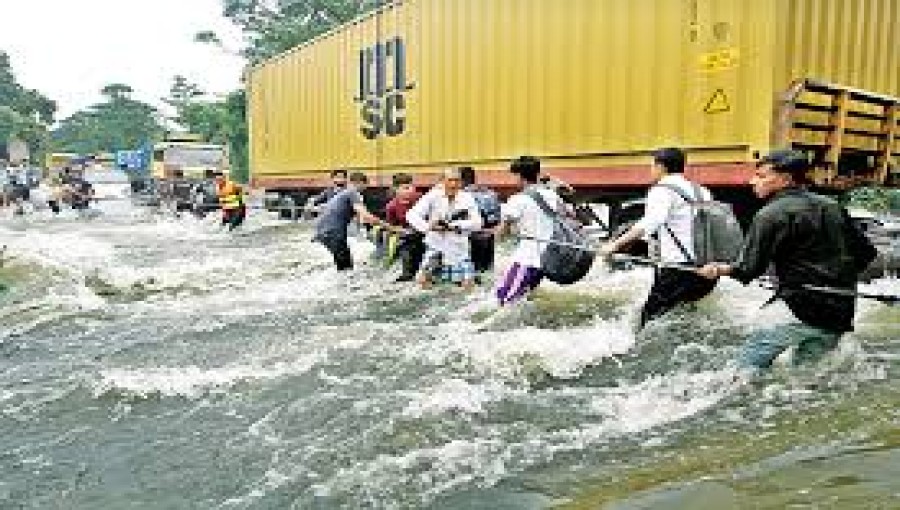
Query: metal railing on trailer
[853,135]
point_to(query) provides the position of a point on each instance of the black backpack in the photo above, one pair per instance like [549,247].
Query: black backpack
[563,264]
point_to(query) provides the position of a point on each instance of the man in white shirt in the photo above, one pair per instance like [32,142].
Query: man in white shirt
[522,212]
[669,217]
[447,216]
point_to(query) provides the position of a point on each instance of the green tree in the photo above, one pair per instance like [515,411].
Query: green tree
[118,123]
[273,26]
[238,135]
[217,121]
[270,27]
[24,113]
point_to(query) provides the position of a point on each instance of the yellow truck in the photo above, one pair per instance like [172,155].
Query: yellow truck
[181,164]
[185,158]
[589,86]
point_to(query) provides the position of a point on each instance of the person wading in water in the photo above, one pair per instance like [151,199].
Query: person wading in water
[668,217]
[810,240]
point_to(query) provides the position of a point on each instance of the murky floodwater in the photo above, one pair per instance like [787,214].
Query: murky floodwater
[153,362]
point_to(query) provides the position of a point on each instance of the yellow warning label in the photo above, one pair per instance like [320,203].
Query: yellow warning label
[719,60]
[718,103]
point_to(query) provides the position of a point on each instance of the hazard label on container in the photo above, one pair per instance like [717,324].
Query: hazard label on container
[718,103]
[720,60]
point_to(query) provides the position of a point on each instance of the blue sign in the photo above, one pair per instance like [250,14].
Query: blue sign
[133,161]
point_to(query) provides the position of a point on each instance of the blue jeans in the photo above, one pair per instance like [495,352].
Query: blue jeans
[764,346]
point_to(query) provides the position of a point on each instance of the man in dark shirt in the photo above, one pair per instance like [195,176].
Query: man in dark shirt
[339,211]
[810,241]
[481,243]
[338,184]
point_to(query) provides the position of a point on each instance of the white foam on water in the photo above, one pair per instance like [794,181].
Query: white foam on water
[62,250]
[485,460]
[194,381]
[562,353]
[456,395]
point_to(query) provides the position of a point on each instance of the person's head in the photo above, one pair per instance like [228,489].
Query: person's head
[452,182]
[339,178]
[527,168]
[219,177]
[358,180]
[403,184]
[779,170]
[467,175]
[667,161]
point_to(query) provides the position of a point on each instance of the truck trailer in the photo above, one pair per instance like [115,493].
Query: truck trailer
[591,87]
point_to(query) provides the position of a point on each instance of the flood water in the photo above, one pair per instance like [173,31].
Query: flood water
[153,362]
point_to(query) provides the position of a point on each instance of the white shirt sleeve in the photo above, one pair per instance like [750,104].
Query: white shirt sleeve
[656,211]
[513,209]
[417,216]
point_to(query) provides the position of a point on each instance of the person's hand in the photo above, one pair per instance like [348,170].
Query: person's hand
[438,226]
[607,250]
[709,271]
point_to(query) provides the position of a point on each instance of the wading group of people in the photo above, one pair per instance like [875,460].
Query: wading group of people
[447,235]
[66,188]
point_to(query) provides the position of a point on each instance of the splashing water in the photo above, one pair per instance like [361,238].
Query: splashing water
[159,362]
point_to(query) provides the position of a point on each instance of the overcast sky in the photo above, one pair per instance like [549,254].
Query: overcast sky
[70,49]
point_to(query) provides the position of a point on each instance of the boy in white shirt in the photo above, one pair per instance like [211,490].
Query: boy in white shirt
[447,216]
[522,211]
[669,215]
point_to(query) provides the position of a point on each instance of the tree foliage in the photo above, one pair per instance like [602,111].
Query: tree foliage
[24,113]
[217,121]
[877,200]
[273,26]
[118,123]
[269,27]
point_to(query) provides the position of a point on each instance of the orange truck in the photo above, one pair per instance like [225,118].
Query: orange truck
[589,86]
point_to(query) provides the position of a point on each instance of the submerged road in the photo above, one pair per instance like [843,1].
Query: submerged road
[153,362]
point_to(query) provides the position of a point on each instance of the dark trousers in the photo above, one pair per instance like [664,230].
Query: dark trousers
[234,218]
[481,247]
[411,251]
[340,250]
[672,288]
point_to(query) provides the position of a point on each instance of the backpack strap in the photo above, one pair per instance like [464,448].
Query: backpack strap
[681,193]
[539,200]
[691,201]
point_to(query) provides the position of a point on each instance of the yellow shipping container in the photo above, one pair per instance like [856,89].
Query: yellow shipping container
[590,86]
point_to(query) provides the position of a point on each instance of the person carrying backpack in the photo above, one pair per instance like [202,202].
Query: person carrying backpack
[535,213]
[481,243]
[669,216]
[810,242]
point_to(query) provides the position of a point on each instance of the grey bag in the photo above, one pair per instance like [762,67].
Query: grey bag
[717,234]
[563,264]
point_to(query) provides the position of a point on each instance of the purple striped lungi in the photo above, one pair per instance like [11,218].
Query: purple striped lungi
[518,281]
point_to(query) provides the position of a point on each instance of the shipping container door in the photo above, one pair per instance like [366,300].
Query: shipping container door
[729,105]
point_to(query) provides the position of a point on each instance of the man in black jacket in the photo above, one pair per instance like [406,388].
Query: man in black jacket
[811,241]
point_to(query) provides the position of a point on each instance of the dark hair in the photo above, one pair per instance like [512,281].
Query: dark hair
[359,177]
[338,171]
[670,158]
[527,167]
[467,175]
[787,161]
[402,179]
